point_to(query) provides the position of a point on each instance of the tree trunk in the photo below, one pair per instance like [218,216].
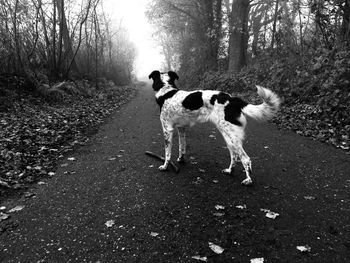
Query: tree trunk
[212,18]
[80,38]
[54,72]
[18,64]
[345,30]
[217,30]
[64,35]
[274,25]
[238,41]
[300,28]
[96,46]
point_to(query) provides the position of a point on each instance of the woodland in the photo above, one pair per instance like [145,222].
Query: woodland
[65,66]
[299,48]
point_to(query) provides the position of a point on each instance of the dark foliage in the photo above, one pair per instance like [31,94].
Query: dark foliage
[36,131]
[315,92]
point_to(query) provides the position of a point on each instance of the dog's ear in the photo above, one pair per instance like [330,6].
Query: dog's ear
[172,75]
[154,75]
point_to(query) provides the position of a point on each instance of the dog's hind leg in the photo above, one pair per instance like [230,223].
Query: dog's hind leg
[247,164]
[233,138]
[233,156]
[236,150]
[233,162]
[182,144]
[168,142]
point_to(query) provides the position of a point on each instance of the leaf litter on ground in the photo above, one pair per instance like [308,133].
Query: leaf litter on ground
[219,207]
[154,234]
[219,214]
[16,208]
[3,216]
[304,249]
[270,214]
[257,260]
[36,132]
[197,257]
[110,223]
[216,248]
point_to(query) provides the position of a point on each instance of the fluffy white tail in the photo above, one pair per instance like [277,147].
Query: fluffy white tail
[267,109]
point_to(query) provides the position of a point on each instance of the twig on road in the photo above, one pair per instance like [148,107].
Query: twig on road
[176,169]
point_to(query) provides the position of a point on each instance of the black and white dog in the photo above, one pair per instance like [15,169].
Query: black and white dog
[181,109]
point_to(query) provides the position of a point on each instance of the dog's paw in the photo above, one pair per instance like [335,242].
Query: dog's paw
[181,159]
[163,167]
[247,182]
[227,171]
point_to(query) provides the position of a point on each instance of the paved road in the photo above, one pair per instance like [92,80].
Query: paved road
[166,217]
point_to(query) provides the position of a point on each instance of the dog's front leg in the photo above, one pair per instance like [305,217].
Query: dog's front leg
[168,142]
[182,144]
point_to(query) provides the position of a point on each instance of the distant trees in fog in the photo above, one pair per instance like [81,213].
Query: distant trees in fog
[62,39]
[227,34]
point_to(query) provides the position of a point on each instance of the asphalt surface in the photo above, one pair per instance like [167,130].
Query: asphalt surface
[111,204]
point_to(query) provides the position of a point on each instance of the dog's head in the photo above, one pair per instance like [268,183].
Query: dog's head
[162,79]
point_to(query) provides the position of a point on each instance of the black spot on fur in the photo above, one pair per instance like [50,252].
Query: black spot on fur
[233,110]
[154,75]
[173,76]
[220,98]
[166,96]
[193,101]
[157,85]
[157,82]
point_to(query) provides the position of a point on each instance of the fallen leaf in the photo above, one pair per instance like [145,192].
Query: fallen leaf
[270,214]
[241,206]
[109,223]
[198,181]
[309,197]
[41,183]
[64,165]
[112,159]
[3,216]
[217,249]
[71,159]
[215,181]
[257,260]
[202,170]
[16,208]
[305,248]
[218,214]
[2,183]
[28,194]
[219,207]
[204,259]
[154,234]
